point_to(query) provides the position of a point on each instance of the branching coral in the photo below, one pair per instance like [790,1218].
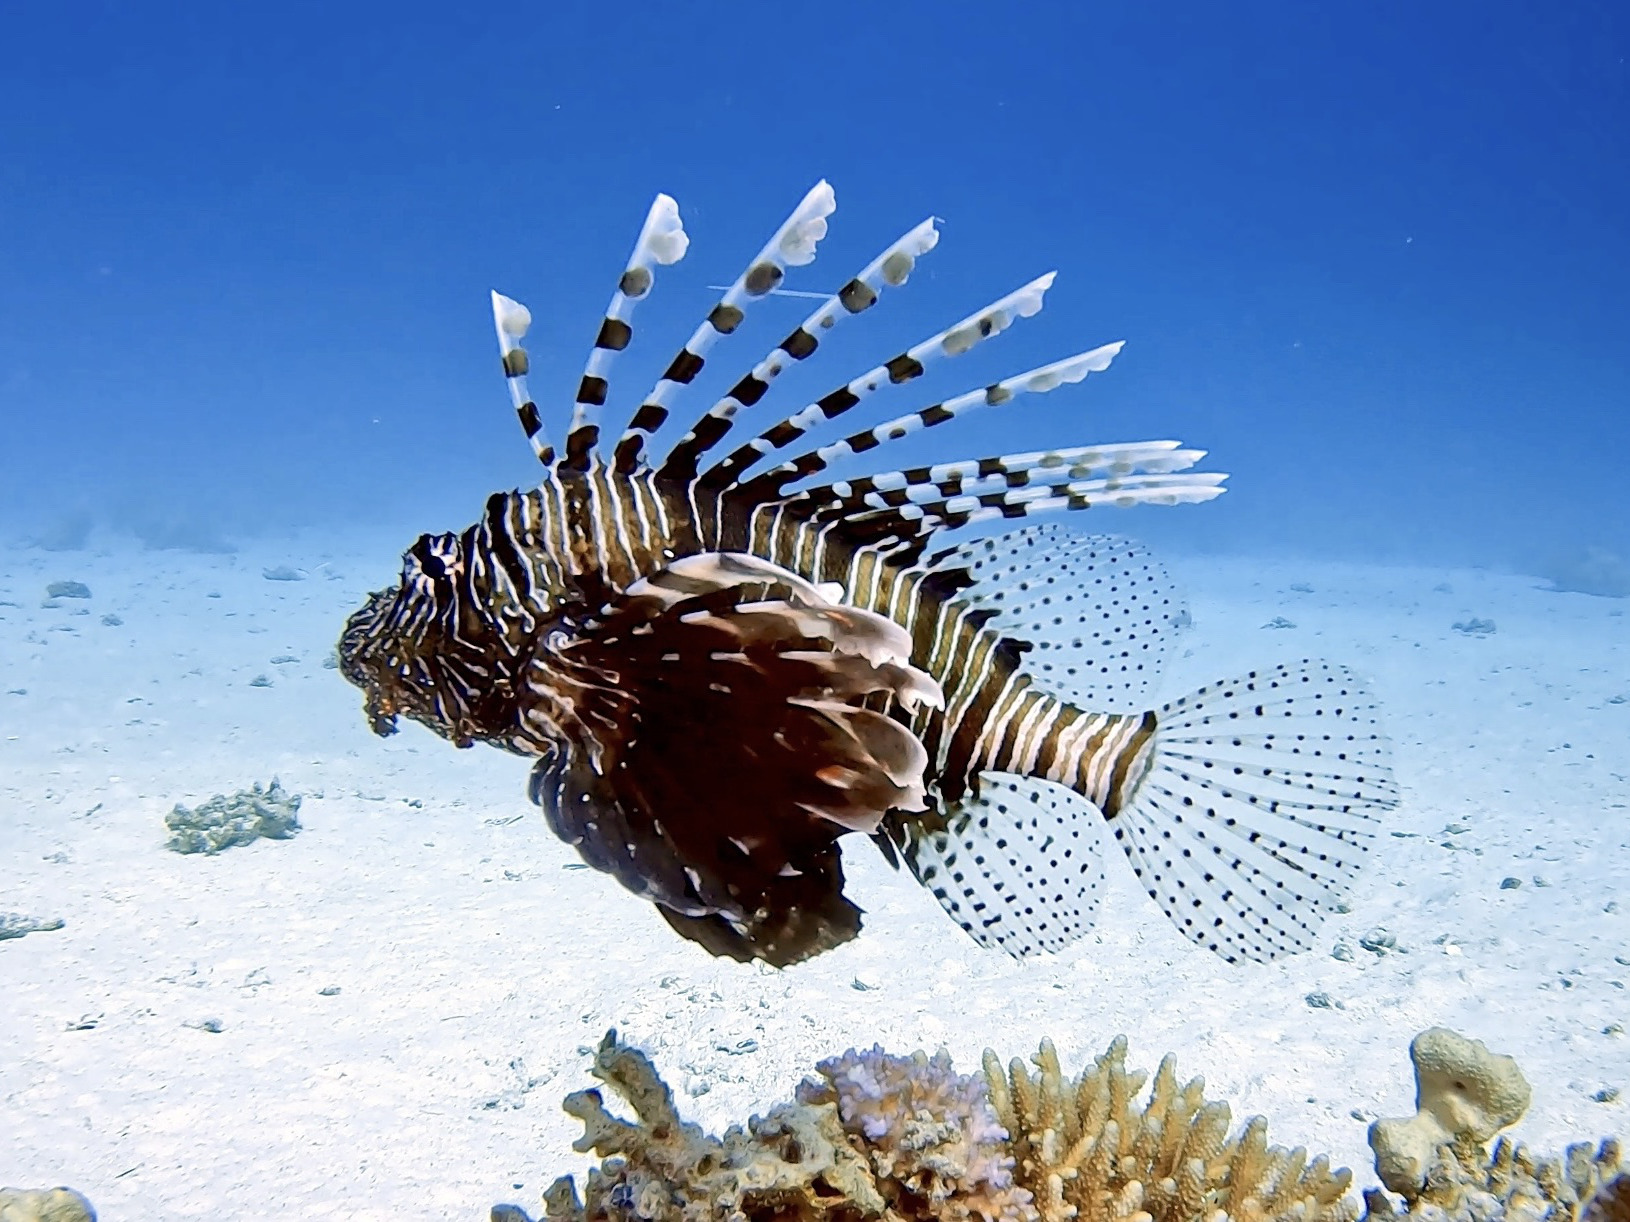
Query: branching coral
[1089,1153]
[907,1139]
[793,1165]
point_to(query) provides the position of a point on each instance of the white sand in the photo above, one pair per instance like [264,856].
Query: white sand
[475,966]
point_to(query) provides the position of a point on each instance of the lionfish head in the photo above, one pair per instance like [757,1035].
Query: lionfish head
[417,652]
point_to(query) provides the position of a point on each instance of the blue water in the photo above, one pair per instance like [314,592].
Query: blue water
[1372,257]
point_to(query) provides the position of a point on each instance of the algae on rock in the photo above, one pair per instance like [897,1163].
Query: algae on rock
[794,1164]
[243,818]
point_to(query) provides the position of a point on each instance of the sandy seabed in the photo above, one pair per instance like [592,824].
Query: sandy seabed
[179,1050]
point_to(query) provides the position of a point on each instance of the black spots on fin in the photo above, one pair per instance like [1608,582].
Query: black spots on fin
[761,278]
[747,392]
[636,282]
[725,318]
[836,403]
[1101,611]
[996,394]
[1017,863]
[649,418]
[856,296]
[800,344]
[516,364]
[531,421]
[580,446]
[936,413]
[614,336]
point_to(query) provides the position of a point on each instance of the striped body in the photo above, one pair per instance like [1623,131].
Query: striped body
[536,559]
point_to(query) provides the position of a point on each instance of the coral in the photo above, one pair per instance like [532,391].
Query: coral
[44,1205]
[1089,1153]
[930,1133]
[1436,1160]
[907,1139]
[17,925]
[223,822]
[1611,1202]
[1464,1095]
[793,1165]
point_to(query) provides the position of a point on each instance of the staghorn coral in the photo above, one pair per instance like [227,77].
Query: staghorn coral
[1089,1153]
[931,1136]
[1437,1162]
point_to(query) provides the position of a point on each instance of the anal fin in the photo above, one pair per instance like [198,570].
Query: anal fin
[1018,862]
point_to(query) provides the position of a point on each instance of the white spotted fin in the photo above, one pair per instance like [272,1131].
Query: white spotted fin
[1258,806]
[1098,612]
[1019,865]
[1244,809]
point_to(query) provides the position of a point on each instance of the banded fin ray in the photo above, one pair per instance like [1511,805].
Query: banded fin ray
[1023,302]
[512,320]
[792,245]
[662,243]
[920,521]
[1051,468]
[1019,864]
[889,269]
[1038,381]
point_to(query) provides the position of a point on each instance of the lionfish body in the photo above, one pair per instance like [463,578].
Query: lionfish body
[723,668]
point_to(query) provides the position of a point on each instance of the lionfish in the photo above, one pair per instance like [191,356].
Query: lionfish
[722,666]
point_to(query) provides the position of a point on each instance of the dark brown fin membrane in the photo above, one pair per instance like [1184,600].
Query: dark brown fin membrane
[718,744]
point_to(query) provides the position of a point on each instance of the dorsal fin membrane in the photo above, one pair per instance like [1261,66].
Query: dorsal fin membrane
[662,242]
[889,269]
[959,337]
[792,246]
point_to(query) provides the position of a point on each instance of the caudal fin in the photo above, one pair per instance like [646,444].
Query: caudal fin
[1256,805]
[1245,814]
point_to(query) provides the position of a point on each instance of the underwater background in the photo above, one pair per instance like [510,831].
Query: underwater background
[1372,258]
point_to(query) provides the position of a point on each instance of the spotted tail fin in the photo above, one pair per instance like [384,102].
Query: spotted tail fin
[1258,801]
